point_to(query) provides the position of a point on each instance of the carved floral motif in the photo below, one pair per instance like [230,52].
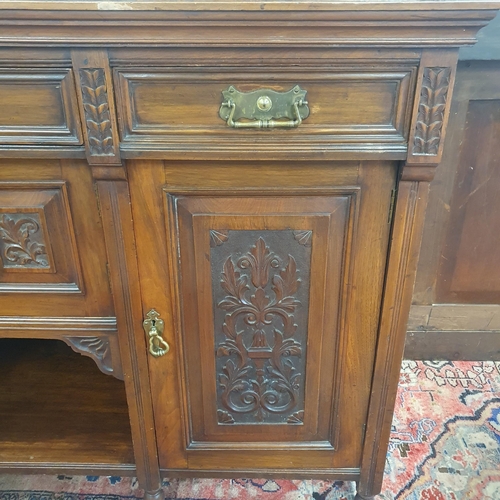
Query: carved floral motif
[431,111]
[22,242]
[96,106]
[259,377]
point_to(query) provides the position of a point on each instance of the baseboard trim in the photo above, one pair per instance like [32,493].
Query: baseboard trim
[453,345]
[347,474]
[68,468]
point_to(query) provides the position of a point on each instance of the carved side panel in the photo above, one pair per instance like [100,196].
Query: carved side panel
[431,111]
[22,242]
[469,267]
[97,115]
[261,295]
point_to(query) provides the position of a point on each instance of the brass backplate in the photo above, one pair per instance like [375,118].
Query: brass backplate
[264,104]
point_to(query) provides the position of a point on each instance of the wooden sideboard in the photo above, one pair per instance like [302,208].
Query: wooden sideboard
[221,205]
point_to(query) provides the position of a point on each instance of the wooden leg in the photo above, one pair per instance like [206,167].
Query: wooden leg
[360,497]
[154,495]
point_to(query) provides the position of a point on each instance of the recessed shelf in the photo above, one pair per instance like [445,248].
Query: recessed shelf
[56,407]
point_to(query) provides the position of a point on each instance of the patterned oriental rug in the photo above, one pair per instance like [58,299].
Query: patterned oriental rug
[445,445]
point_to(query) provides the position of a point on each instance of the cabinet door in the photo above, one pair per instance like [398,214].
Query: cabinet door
[270,298]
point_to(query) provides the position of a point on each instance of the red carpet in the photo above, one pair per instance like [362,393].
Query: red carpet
[445,445]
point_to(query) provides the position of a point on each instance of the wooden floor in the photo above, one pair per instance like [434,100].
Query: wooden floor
[56,406]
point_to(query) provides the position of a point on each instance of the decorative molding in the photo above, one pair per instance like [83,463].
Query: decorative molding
[23,245]
[58,324]
[40,287]
[218,237]
[320,25]
[303,237]
[258,379]
[431,111]
[97,348]
[97,115]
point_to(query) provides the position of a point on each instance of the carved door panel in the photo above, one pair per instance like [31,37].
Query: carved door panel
[270,302]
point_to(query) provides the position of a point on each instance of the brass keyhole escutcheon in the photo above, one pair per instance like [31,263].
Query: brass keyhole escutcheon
[153,326]
[264,103]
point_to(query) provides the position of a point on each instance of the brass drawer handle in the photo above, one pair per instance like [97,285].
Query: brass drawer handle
[153,326]
[264,108]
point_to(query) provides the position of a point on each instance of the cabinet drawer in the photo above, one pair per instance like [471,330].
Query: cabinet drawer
[354,107]
[38,107]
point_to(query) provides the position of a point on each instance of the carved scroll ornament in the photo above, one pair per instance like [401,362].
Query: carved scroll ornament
[97,348]
[260,376]
[22,242]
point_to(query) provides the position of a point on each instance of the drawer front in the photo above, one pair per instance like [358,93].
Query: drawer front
[38,107]
[354,107]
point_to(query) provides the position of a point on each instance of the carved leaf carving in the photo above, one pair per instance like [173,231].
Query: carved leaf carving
[97,116]
[431,111]
[22,242]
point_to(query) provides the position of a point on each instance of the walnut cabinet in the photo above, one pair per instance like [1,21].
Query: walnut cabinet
[220,205]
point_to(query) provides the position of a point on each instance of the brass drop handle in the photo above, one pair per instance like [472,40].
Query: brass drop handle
[265,123]
[153,326]
[264,108]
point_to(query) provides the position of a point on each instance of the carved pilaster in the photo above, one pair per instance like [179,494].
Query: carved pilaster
[97,107]
[436,77]
[431,111]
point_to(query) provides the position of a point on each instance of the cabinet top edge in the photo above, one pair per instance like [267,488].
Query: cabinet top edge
[250,5]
